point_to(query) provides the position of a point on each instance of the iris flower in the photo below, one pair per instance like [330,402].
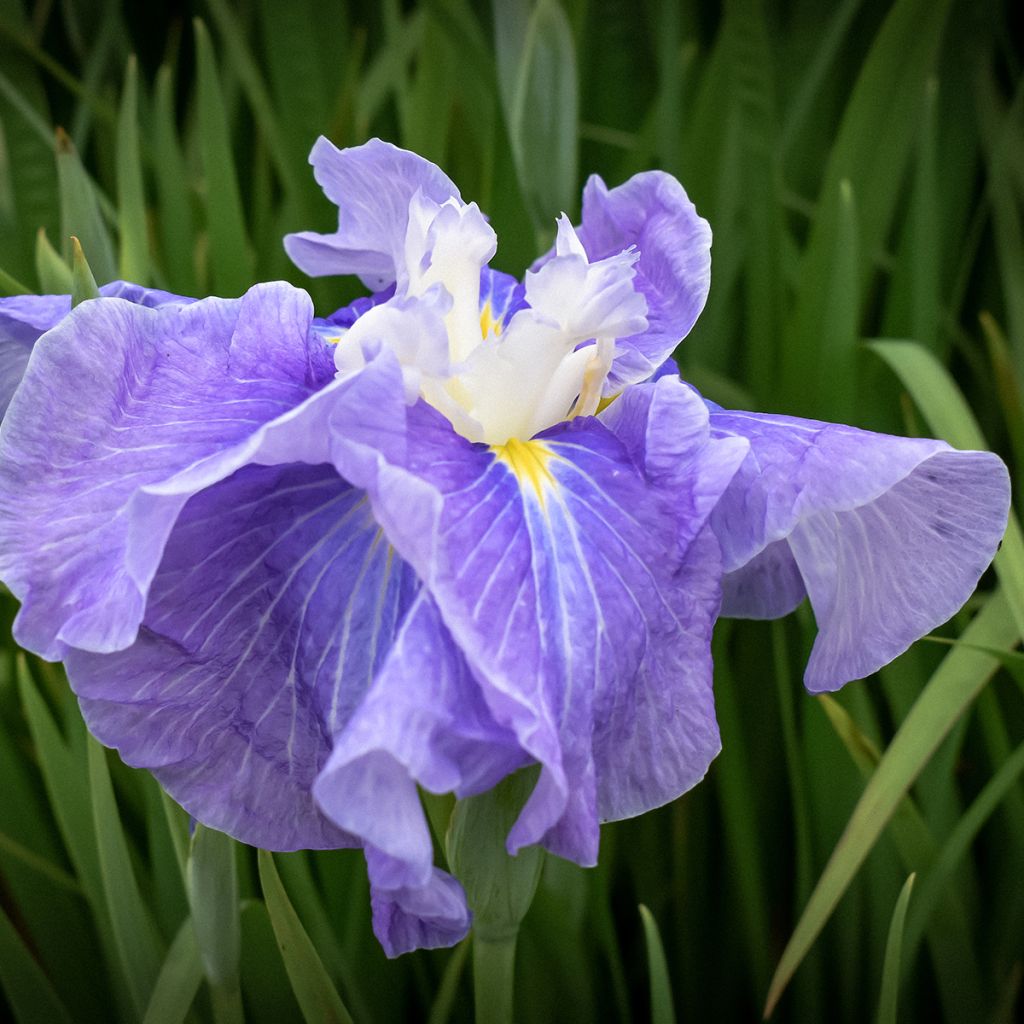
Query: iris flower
[298,568]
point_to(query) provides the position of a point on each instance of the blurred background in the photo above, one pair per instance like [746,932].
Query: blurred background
[862,167]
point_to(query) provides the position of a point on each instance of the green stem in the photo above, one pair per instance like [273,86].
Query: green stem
[227,1004]
[494,963]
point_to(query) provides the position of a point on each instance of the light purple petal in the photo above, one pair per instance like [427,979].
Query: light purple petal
[652,212]
[23,318]
[556,603]
[419,917]
[888,535]
[274,605]
[423,722]
[124,413]
[372,186]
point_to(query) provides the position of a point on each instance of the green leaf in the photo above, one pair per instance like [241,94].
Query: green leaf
[887,1000]
[176,222]
[29,992]
[232,268]
[819,365]
[83,284]
[949,692]
[178,981]
[959,979]
[313,988]
[958,842]
[53,273]
[80,214]
[542,111]
[131,201]
[871,152]
[213,899]
[134,935]
[662,1011]
[10,285]
[447,992]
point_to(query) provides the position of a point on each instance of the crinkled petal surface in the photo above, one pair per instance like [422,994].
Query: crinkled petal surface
[372,185]
[555,566]
[274,605]
[652,212]
[23,318]
[888,536]
[423,722]
[124,413]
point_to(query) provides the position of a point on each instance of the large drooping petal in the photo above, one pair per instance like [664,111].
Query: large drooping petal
[423,722]
[23,318]
[124,413]
[372,185]
[888,536]
[555,565]
[274,604]
[652,212]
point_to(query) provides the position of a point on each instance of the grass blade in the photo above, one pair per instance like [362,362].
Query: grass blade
[80,214]
[134,934]
[29,992]
[131,201]
[178,981]
[542,114]
[662,1011]
[213,899]
[888,998]
[949,692]
[83,284]
[313,988]
[53,273]
[231,258]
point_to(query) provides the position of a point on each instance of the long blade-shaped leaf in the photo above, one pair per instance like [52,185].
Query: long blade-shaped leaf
[231,257]
[893,956]
[662,1010]
[131,200]
[178,981]
[29,992]
[949,692]
[134,934]
[313,987]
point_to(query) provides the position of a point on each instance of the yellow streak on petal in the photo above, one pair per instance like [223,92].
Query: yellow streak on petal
[488,324]
[530,463]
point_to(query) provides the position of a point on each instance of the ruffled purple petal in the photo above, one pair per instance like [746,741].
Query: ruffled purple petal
[555,601]
[23,318]
[423,722]
[274,605]
[652,212]
[419,917]
[888,536]
[124,413]
[372,185]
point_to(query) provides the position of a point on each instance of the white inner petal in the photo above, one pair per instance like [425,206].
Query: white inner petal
[548,363]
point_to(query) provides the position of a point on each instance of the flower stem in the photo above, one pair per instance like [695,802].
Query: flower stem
[494,962]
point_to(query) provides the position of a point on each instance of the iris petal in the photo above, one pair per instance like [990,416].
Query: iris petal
[144,408]
[275,602]
[372,185]
[888,536]
[652,212]
[554,603]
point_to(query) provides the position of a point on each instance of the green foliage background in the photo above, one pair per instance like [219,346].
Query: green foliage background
[862,166]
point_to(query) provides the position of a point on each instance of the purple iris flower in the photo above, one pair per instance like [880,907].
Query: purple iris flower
[298,567]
